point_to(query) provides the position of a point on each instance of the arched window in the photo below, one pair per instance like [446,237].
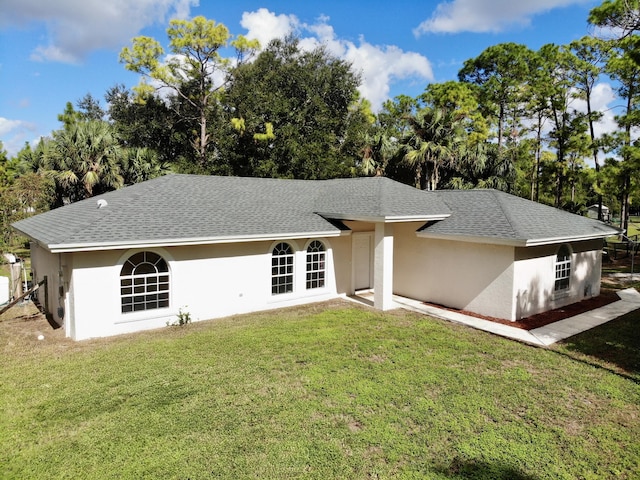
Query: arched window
[316,256]
[563,269]
[144,282]
[282,269]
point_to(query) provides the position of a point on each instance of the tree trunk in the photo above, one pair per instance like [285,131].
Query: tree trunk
[203,140]
[559,181]
[500,127]
[573,188]
[559,121]
[434,177]
[535,181]
[624,215]
[595,154]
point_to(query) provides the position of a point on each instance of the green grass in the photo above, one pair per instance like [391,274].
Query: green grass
[326,391]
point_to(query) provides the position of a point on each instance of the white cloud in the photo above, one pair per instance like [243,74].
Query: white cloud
[6,125]
[52,53]
[264,26]
[14,134]
[603,100]
[482,16]
[380,66]
[76,28]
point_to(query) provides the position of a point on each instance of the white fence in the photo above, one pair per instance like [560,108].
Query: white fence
[4,290]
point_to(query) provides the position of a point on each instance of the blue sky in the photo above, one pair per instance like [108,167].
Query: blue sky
[55,51]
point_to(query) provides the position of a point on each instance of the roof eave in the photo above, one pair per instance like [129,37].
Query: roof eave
[515,242]
[91,247]
[384,218]
[32,239]
[574,238]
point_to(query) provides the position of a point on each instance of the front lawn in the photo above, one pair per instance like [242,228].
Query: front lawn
[325,391]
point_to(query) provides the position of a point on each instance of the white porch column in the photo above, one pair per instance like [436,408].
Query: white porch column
[383,267]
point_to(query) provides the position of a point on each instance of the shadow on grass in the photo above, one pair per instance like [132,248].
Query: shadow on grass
[477,469]
[614,346]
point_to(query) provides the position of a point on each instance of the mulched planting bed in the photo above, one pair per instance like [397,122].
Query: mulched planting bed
[542,319]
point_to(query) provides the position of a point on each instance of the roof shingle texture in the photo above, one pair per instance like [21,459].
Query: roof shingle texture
[192,207]
[499,215]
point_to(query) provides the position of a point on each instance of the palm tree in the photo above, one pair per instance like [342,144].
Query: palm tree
[435,141]
[377,150]
[140,164]
[36,159]
[86,157]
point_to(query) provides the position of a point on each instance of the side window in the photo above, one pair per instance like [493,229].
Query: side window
[144,283]
[282,269]
[563,269]
[316,256]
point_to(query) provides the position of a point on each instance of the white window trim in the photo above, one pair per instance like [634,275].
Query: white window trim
[142,315]
[300,293]
[293,256]
[324,255]
[133,277]
[562,265]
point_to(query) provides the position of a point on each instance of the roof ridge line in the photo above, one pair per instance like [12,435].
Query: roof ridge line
[496,194]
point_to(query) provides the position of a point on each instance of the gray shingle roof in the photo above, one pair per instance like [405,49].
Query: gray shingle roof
[376,197]
[192,209]
[179,209]
[498,216]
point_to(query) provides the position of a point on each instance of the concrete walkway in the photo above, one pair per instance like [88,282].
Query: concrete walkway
[543,336]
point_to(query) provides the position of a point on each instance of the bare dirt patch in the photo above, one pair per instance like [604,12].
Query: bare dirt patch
[24,329]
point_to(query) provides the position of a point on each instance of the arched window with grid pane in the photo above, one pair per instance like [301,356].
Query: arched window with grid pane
[563,269]
[144,283]
[282,269]
[316,261]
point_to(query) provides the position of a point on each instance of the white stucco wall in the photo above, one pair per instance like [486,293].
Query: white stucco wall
[55,267]
[220,280]
[535,277]
[463,275]
[498,281]
[342,266]
[207,281]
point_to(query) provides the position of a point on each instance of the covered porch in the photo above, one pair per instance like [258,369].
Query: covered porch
[373,246]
